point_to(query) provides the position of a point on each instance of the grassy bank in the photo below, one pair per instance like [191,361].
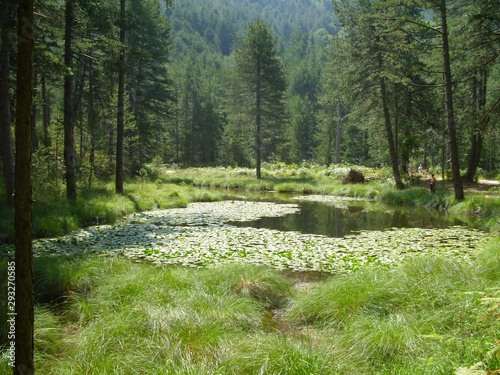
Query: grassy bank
[54,215]
[166,188]
[479,206]
[429,315]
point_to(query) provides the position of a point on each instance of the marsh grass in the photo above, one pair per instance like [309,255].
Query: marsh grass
[109,315]
[54,215]
[258,282]
[428,307]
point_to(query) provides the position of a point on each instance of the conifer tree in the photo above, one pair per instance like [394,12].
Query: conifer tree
[262,82]
[6,146]
[24,301]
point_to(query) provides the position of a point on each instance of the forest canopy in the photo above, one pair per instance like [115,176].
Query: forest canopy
[365,84]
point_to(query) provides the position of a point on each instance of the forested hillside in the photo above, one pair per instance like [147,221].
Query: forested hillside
[108,108]
[123,84]
[215,25]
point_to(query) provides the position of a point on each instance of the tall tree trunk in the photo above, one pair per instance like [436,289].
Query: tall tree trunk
[46,114]
[476,143]
[176,129]
[92,124]
[469,176]
[337,135]
[452,136]
[388,128]
[258,136]
[34,135]
[328,159]
[121,105]
[6,147]
[69,124]
[24,302]
[390,138]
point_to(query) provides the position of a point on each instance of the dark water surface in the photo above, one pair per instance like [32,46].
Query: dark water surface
[343,218]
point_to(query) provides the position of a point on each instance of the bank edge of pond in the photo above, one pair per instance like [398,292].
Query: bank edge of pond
[54,215]
[201,236]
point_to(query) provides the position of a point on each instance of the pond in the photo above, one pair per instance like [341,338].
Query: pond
[338,218]
[301,236]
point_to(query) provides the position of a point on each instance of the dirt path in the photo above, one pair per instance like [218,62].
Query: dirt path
[482,187]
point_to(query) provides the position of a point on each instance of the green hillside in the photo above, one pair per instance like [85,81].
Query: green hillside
[215,25]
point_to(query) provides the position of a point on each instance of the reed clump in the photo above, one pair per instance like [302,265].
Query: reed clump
[428,315]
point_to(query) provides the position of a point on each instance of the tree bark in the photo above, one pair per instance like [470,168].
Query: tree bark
[452,137]
[24,302]
[69,124]
[476,142]
[121,105]
[258,136]
[390,138]
[6,146]
[46,114]
[92,124]
[337,135]
[34,135]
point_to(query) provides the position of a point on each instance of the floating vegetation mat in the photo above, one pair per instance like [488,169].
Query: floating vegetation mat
[199,236]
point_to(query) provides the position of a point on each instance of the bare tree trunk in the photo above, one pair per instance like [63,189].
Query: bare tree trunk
[24,302]
[92,124]
[452,137]
[69,125]
[337,135]
[6,147]
[328,159]
[121,105]
[258,136]
[476,142]
[34,135]
[46,114]
[390,138]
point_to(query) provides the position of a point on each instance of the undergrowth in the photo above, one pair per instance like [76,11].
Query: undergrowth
[54,216]
[429,315]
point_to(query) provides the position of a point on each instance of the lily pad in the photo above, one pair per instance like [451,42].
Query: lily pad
[200,236]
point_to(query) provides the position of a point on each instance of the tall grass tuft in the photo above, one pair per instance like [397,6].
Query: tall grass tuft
[262,283]
[480,207]
[488,260]
[144,319]
[389,319]
[422,282]
[381,340]
[275,354]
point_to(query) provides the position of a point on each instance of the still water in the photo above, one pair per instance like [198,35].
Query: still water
[343,218]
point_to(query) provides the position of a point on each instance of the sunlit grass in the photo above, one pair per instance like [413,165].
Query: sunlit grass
[428,307]
[429,315]
[130,317]
[54,216]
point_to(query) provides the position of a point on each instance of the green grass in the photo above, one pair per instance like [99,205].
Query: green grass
[425,308]
[54,215]
[122,317]
[108,315]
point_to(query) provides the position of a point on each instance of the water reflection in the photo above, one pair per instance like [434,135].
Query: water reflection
[341,219]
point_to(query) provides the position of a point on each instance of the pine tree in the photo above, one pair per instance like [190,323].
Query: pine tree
[262,82]
[24,306]
[69,115]
[6,146]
